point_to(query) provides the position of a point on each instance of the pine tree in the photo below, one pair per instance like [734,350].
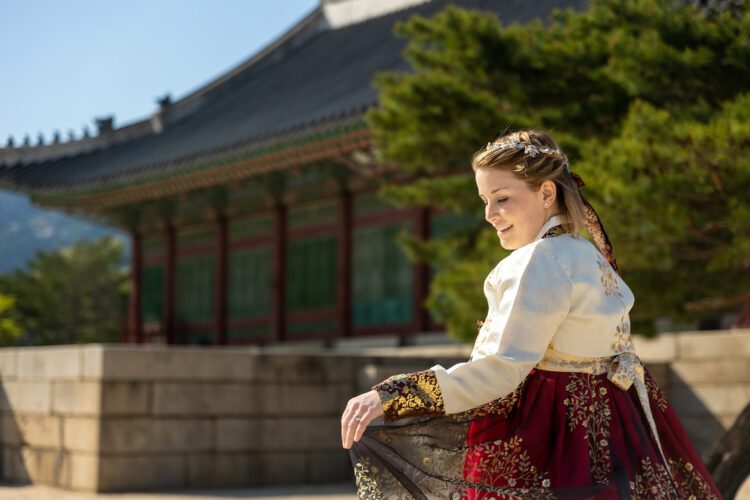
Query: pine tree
[650,100]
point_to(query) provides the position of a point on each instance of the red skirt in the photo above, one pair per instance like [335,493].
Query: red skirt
[563,435]
[572,432]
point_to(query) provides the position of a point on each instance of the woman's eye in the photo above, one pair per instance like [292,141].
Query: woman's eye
[499,200]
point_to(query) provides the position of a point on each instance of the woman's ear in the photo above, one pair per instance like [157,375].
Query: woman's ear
[548,191]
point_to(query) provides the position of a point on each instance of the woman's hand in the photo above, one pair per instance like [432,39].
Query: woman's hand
[359,412]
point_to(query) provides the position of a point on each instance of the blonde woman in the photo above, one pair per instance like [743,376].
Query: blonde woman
[554,401]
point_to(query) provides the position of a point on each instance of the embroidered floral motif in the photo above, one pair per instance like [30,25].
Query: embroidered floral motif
[609,282]
[588,407]
[652,482]
[507,462]
[499,407]
[690,483]
[656,394]
[557,230]
[622,341]
[364,478]
[410,395]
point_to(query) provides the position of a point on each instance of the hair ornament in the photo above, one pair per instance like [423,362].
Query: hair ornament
[528,148]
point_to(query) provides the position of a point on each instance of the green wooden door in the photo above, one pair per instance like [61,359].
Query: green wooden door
[382,276]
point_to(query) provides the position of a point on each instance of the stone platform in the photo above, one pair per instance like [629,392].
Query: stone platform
[120,418]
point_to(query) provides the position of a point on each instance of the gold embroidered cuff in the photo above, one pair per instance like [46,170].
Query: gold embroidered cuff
[410,395]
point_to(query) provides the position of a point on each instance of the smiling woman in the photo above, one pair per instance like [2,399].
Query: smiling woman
[554,401]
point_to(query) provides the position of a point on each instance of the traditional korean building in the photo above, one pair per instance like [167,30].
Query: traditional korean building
[251,201]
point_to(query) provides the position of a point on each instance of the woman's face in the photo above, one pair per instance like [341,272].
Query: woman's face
[510,203]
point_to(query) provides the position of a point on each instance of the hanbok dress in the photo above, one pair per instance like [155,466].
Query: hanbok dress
[553,403]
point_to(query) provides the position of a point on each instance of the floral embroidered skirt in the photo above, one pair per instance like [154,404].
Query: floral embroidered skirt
[564,435]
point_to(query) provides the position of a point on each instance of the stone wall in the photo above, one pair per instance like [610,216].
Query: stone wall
[116,418]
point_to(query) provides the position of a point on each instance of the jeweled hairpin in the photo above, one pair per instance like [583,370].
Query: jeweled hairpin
[528,148]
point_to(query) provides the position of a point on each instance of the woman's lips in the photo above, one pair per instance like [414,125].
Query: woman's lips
[503,231]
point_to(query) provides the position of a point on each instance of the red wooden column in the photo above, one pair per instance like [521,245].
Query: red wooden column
[168,313]
[222,280]
[135,319]
[279,273]
[344,265]
[421,270]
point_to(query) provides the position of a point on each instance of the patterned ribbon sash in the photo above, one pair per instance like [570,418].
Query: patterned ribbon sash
[623,370]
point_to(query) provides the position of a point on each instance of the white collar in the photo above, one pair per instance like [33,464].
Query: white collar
[553,221]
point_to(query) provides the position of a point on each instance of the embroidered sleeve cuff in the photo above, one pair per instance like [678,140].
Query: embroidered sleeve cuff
[410,395]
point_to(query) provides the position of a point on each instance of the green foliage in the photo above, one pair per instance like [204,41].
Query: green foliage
[9,329]
[74,295]
[650,101]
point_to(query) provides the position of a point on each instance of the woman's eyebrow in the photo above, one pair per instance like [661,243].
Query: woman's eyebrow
[496,189]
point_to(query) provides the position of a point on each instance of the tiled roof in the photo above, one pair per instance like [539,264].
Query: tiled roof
[324,81]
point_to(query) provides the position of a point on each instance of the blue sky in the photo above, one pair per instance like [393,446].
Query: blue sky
[66,62]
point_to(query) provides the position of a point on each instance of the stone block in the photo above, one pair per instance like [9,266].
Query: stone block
[660,349]
[27,397]
[329,466]
[297,434]
[126,398]
[703,431]
[178,363]
[661,373]
[305,368]
[731,370]
[307,399]
[710,399]
[205,399]
[37,465]
[10,431]
[58,362]
[77,397]
[8,363]
[35,430]
[92,360]
[235,434]
[142,435]
[13,469]
[130,473]
[727,421]
[84,472]
[372,373]
[81,434]
[279,468]
[717,345]
[223,470]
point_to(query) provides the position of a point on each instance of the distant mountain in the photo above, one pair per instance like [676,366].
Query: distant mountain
[25,229]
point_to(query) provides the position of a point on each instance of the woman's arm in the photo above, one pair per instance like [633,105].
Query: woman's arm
[533,298]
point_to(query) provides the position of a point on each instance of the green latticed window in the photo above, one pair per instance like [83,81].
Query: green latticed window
[195,289]
[153,245]
[203,337]
[249,332]
[197,236]
[250,282]
[313,214]
[382,276]
[311,273]
[252,227]
[152,293]
[370,203]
